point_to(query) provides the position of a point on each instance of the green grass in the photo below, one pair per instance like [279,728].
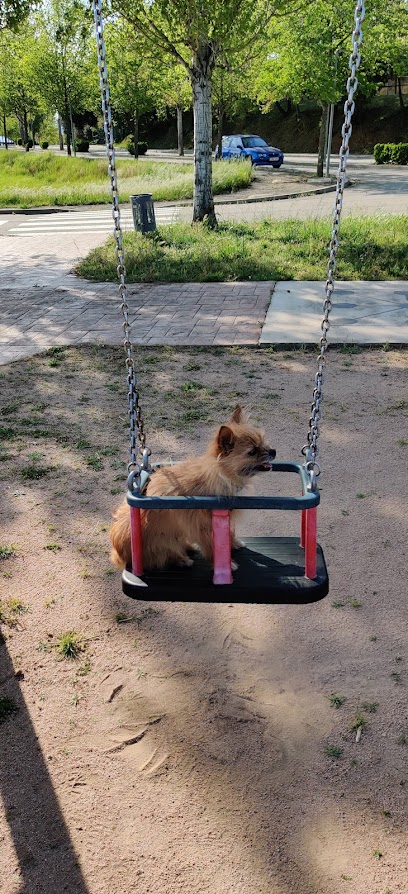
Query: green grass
[372,248]
[7,550]
[32,181]
[69,645]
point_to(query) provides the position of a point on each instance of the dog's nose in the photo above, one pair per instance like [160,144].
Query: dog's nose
[272,454]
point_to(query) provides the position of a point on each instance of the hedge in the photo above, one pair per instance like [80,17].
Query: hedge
[391,153]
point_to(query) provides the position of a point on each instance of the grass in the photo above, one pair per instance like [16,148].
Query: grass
[7,550]
[336,701]
[372,248]
[69,645]
[333,751]
[33,181]
[10,609]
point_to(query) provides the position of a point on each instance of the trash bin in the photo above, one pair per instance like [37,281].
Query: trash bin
[143,213]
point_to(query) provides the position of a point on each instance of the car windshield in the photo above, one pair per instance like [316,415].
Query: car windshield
[253,142]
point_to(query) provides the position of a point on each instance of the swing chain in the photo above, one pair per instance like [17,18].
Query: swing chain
[136,425]
[310,450]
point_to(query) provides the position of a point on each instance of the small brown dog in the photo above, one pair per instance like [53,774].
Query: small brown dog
[236,453]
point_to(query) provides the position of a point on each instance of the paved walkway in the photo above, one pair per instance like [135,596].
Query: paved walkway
[199,314]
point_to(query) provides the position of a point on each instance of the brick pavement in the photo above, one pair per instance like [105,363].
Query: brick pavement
[171,314]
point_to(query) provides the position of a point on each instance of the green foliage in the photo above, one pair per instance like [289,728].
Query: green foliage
[13,13]
[391,153]
[141,147]
[69,645]
[308,51]
[44,144]
[82,146]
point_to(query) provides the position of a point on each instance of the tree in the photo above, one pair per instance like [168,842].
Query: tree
[174,92]
[308,54]
[17,91]
[198,36]
[12,13]
[64,70]
[133,75]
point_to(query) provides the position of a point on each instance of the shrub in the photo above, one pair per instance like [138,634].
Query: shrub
[399,154]
[44,144]
[82,146]
[141,147]
[391,153]
[19,142]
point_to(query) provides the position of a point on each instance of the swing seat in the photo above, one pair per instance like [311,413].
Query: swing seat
[270,570]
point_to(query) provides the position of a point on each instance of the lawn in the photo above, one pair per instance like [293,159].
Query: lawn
[372,248]
[42,179]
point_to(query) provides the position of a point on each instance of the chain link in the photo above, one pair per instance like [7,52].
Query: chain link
[136,425]
[310,450]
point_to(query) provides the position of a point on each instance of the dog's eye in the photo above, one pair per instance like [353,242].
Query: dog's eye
[252,452]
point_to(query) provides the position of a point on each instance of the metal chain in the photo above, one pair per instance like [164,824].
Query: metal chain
[136,425]
[310,450]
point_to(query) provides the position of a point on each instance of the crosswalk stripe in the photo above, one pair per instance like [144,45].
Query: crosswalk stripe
[86,221]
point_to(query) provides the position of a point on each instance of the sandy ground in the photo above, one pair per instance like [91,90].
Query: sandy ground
[192,748]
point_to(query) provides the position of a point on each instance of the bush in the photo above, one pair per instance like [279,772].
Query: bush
[391,153]
[19,142]
[82,146]
[141,147]
[399,154]
[44,144]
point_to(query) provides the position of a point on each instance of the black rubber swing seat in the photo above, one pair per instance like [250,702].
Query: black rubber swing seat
[271,570]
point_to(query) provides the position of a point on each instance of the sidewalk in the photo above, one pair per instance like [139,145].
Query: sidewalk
[199,314]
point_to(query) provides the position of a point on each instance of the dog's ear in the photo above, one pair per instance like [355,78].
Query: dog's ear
[225,440]
[237,414]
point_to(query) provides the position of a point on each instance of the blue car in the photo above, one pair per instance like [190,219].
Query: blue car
[250,146]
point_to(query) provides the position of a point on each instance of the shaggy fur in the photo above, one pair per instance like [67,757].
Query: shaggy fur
[236,453]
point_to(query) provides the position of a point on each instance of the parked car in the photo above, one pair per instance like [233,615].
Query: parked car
[3,142]
[250,146]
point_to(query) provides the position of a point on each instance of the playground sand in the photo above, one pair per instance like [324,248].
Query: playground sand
[197,748]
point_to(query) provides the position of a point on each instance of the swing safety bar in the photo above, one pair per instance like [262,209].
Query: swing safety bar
[221,507]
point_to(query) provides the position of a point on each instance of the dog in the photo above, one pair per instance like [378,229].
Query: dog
[235,454]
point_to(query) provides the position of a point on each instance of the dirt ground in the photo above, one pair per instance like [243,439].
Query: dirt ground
[201,748]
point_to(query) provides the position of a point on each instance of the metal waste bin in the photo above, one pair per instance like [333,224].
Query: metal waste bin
[143,213]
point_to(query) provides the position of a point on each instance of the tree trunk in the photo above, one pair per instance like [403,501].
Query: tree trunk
[400,94]
[201,71]
[25,126]
[136,132]
[322,140]
[60,136]
[5,131]
[180,135]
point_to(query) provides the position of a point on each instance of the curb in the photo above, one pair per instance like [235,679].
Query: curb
[218,200]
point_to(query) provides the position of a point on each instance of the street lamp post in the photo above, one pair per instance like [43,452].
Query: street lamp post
[330,119]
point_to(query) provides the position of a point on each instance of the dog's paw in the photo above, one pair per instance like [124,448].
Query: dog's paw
[185,561]
[237,544]
[234,566]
